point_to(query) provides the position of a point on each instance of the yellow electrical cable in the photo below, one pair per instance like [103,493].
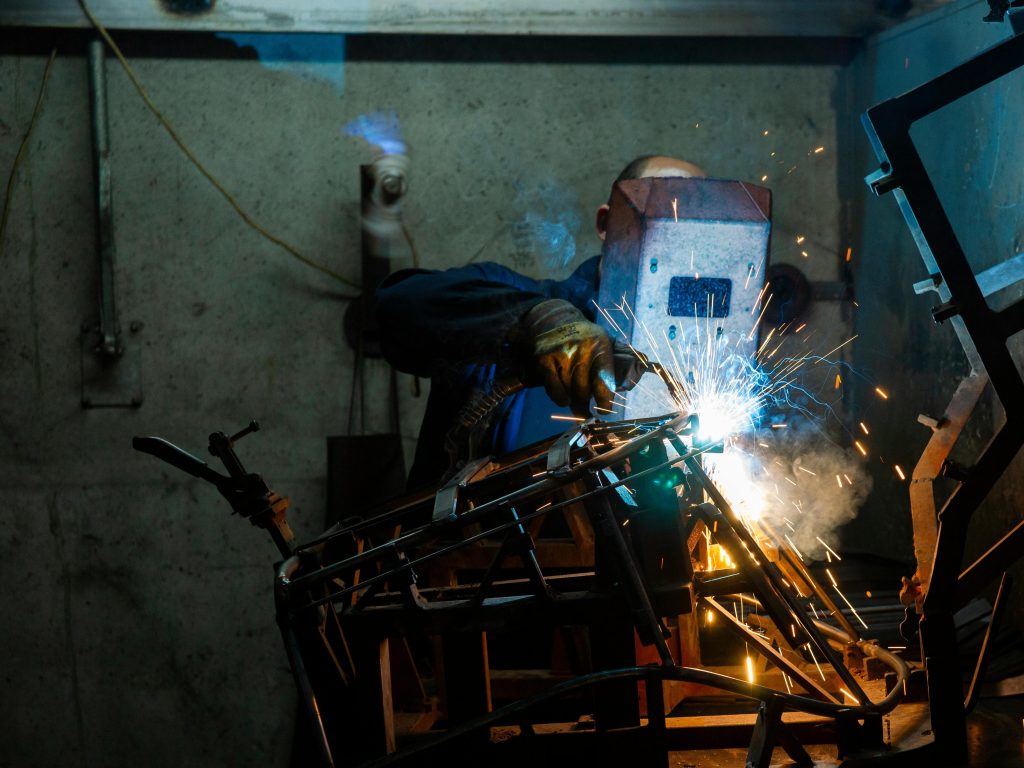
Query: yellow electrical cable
[24,144]
[246,217]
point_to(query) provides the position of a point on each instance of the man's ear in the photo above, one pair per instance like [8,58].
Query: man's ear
[601,221]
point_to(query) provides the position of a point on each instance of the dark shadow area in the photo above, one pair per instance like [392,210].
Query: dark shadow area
[476,49]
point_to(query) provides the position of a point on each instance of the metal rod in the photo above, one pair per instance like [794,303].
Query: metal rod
[626,566]
[768,574]
[654,673]
[109,345]
[293,650]
[808,579]
[765,649]
[985,654]
[421,535]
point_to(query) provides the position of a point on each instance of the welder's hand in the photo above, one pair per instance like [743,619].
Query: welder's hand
[569,355]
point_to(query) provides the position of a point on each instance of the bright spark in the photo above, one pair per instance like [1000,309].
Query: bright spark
[826,546]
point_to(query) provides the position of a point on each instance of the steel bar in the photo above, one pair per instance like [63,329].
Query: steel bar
[770,582]
[765,649]
[294,652]
[997,559]
[650,673]
[421,535]
[811,583]
[991,632]
[108,332]
[606,524]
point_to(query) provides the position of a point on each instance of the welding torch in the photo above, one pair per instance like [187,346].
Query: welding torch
[463,439]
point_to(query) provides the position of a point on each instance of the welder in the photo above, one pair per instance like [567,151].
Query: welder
[464,326]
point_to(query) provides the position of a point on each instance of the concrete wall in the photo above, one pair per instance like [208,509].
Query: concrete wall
[974,152]
[138,612]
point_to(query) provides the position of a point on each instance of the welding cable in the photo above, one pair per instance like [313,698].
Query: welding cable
[244,214]
[24,144]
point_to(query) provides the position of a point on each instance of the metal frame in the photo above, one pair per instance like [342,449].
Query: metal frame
[337,609]
[309,581]
[983,334]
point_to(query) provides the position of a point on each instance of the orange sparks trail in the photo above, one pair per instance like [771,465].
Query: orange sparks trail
[900,472]
[558,417]
[799,239]
[854,698]
[675,208]
[750,670]
[849,254]
[881,393]
[819,150]
[839,380]
[864,428]
[836,349]
[860,447]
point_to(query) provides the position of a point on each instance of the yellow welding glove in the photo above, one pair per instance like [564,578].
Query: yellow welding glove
[570,356]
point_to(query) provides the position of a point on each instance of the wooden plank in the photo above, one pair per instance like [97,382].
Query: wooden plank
[689,18]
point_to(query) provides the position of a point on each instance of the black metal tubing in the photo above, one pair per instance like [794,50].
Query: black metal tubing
[651,675]
[991,631]
[293,650]
[768,580]
[422,535]
[902,171]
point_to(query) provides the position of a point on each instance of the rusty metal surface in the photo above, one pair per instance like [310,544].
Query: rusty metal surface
[922,494]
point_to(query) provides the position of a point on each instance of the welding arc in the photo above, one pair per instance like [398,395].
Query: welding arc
[244,214]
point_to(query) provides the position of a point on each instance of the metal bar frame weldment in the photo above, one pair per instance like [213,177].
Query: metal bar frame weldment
[945,584]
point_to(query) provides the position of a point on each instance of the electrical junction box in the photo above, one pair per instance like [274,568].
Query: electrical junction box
[682,272]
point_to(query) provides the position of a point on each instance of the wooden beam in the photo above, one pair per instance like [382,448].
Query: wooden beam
[673,18]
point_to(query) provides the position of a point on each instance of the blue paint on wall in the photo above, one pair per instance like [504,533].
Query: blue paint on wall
[310,56]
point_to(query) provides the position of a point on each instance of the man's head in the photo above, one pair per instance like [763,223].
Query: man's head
[645,167]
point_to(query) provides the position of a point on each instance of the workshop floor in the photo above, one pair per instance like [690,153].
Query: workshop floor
[995,732]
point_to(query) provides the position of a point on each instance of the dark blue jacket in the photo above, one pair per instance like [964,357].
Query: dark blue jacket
[453,327]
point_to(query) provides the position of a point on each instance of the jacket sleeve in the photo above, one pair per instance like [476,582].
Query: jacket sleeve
[460,316]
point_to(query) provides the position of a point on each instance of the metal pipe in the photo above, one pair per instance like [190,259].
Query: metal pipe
[109,343]
[770,574]
[293,650]
[420,535]
[654,674]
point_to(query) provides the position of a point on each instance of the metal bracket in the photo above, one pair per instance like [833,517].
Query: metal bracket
[109,382]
